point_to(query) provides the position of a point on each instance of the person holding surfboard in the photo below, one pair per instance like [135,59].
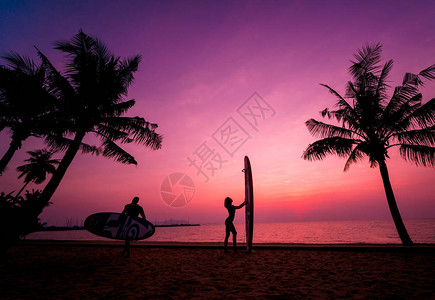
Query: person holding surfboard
[133,210]
[229,226]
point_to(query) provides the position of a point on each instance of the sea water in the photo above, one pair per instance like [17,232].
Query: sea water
[336,232]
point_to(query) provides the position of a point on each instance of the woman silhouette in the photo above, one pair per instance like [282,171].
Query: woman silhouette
[229,222]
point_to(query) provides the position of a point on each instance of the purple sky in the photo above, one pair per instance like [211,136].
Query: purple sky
[201,61]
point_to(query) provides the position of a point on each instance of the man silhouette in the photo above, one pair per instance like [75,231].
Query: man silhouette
[132,210]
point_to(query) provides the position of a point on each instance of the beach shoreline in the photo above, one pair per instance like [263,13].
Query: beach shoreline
[71,270]
[218,245]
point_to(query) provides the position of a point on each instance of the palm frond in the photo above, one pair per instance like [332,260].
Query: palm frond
[351,90]
[382,81]
[424,115]
[367,60]
[111,150]
[109,132]
[103,53]
[58,84]
[148,137]
[329,146]
[140,131]
[428,73]
[419,155]
[62,143]
[412,79]
[321,129]
[421,137]
[345,112]
[86,148]
[341,102]
[125,123]
[57,142]
[81,43]
[401,96]
[21,63]
[119,108]
[416,80]
[82,62]
[356,155]
[399,117]
[23,169]
[418,115]
[127,68]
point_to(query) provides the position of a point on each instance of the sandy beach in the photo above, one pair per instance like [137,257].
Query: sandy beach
[96,271]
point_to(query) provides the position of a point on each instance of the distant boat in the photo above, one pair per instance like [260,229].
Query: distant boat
[174,225]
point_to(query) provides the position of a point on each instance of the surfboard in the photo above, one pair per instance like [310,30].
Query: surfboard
[114,226]
[249,207]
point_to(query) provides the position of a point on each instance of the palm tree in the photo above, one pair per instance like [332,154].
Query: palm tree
[372,124]
[91,93]
[25,103]
[40,163]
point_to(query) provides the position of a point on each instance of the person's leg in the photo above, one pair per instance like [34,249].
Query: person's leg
[127,242]
[234,232]
[126,250]
[227,235]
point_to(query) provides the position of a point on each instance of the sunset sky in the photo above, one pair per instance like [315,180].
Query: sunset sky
[204,64]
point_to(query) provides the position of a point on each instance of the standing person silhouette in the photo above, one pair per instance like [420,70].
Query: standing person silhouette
[133,210]
[229,226]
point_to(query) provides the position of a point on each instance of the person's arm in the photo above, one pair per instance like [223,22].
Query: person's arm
[122,215]
[142,213]
[241,205]
[124,211]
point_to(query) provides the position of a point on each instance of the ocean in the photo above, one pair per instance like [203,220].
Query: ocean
[336,232]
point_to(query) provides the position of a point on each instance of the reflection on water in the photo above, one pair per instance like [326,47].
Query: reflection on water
[373,232]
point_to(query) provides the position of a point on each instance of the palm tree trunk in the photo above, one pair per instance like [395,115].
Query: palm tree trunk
[55,180]
[22,189]
[13,147]
[401,230]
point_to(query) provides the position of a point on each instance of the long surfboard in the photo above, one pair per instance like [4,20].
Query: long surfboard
[249,208]
[115,226]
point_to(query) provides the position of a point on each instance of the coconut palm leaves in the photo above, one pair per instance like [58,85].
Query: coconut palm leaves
[26,104]
[371,124]
[40,164]
[91,93]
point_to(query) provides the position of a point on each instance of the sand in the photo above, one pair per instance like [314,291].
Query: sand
[96,271]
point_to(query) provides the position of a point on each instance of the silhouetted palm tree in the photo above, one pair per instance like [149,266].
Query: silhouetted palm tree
[40,163]
[371,124]
[91,92]
[25,103]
